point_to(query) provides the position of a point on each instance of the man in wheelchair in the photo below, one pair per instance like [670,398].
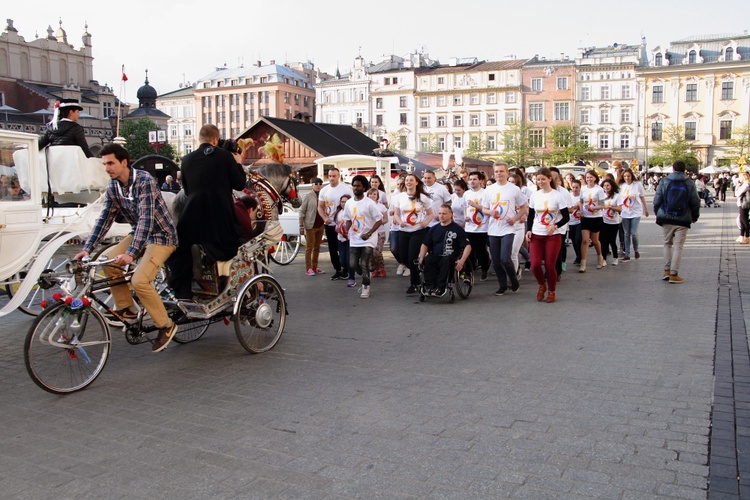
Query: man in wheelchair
[445,246]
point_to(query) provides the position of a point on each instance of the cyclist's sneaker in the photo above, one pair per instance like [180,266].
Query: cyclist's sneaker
[126,313]
[164,337]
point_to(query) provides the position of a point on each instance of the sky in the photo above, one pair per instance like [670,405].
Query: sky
[180,42]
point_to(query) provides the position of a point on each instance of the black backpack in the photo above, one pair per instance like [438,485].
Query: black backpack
[676,198]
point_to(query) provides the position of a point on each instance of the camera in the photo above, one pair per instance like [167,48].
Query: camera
[230,146]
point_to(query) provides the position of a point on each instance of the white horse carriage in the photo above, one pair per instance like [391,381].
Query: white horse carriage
[34,239]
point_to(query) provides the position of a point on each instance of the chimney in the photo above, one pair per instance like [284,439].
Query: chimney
[273,61]
[258,64]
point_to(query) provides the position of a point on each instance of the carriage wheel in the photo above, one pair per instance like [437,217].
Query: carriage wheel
[286,249]
[48,282]
[260,314]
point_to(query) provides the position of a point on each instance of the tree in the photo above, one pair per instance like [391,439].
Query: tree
[430,144]
[567,146]
[517,150]
[476,147]
[739,144]
[136,135]
[673,147]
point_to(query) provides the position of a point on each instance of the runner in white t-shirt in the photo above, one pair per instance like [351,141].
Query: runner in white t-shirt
[506,205]
[363,218]
[328,201]
[437,192]
[412,211]
[591,222]
[611,220]
[633,208]
[476,224]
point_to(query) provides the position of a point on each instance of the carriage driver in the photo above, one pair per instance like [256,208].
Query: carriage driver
[135,195]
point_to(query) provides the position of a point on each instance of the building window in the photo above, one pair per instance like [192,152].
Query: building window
[457,100]
[536,112]
[562,111]
[286,97]
[728,54]
[441,121]
[536,138]
[491,77]
[656,131]
[458,120]
[625,115]
[474,99]
[474,142]
[624,141]
[604,115]
[604,141]
[691,92]
[692,57]
[658,93]
[379,103]
[296,99]
[359,119]
[585,116]
[626,91]
[510,117]
[441,81]
[402,101]
[188,132]
[424,121]
[727,91]
[584,139]
[585,93]
[424,101]
[690,131]
[536,84]
[491,98]
[491,119]
[605,92]
[657,60]
[424,143]
[387,81]
[379,120]
[441,143]
[458,142]
[474,120]
[725,129]
[402,142]
[510,97]
[441,100]
[562,83]
[491,144]
[395,80]
[402,119]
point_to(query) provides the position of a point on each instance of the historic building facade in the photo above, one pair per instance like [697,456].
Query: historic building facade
[548,90]
[233,99]
[607,105]
[180,106]
[467,104]
[701,84]
[36,74]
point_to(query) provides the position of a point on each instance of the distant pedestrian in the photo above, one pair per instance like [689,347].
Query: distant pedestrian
[633,208]
[311,225]
[743,204]
[677,206]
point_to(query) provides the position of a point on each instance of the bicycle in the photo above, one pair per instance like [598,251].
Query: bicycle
[68,344]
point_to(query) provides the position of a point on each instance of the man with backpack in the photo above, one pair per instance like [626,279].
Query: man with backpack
[677,206]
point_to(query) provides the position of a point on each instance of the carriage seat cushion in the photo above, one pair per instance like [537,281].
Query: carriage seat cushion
[70,171]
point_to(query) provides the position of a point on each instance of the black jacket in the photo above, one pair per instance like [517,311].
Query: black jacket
[68,133]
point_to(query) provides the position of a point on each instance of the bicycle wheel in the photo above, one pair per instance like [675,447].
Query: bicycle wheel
[48,282]
[260,314]
[286,249]
[192,331]
[65,351]
[464,283]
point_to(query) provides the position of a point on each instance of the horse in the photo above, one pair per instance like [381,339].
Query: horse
[273,185]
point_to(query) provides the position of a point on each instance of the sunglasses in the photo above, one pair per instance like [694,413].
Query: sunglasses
[318,183]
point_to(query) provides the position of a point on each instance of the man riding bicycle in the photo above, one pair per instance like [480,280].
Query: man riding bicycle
[135,195]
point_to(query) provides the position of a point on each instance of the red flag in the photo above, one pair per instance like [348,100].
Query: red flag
[124,76]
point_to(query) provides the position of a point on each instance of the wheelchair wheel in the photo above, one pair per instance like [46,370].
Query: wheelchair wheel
[464,283]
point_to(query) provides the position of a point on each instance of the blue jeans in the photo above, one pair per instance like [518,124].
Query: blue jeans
[501,248]
[343,251]
[630,227]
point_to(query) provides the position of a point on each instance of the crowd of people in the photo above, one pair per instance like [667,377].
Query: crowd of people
[506,223]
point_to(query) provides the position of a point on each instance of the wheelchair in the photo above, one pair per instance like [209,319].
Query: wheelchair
[459,283]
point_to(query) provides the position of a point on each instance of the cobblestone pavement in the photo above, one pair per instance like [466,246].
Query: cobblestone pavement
[607,393]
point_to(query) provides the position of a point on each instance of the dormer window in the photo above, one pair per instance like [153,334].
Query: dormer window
[692,55]
[728,54]
[658,59]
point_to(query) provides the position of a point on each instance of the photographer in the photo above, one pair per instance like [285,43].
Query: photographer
[208,228]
